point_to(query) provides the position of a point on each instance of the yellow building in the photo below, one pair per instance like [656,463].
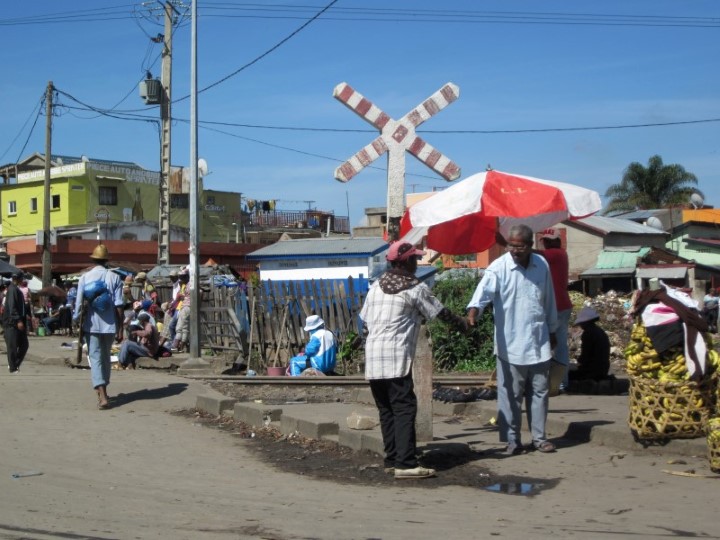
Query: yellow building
[90,191]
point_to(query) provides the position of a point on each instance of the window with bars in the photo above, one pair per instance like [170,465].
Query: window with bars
[179,200]
[108,196]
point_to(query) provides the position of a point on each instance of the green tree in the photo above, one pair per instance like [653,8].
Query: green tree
[655,186]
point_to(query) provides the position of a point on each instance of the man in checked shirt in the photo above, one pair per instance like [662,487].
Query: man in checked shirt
[392,314]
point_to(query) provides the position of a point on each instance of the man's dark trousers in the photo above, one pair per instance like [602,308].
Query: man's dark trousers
[16,342]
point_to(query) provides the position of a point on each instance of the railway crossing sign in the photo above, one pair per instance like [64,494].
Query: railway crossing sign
[397,137]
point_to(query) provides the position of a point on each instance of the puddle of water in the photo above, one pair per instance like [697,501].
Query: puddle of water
[514,488]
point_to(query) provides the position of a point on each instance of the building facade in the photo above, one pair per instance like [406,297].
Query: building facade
[85,191]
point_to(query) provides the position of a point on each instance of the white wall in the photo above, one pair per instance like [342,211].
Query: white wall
[335,268]
[314,273]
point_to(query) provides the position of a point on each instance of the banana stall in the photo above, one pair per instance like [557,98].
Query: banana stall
[673,369]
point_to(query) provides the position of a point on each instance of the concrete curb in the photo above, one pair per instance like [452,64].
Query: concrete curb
[327,421]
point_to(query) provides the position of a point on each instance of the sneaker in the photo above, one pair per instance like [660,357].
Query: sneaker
[417,472]
[389,470]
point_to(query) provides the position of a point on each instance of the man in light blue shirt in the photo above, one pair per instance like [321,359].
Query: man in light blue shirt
[100,293]
[519,286]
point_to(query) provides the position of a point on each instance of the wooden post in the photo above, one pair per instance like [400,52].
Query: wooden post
[422,379]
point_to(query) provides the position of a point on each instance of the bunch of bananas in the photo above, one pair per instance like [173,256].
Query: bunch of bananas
[670,366]
[713,441]
[678,409]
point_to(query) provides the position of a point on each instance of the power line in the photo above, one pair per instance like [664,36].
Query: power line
[389,15]
[302,152]
[73,16]
[433,131]
[42,102]
[206,125]
[37,107]
[269,51]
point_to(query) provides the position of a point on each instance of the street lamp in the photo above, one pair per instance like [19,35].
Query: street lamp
[236,232]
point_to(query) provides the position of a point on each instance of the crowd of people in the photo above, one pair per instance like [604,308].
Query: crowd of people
[130,314]
[107,311]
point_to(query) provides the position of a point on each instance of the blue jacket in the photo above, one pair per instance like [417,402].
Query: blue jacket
[321,350]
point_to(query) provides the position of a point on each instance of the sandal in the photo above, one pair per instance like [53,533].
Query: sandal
[545,447]
[513,449]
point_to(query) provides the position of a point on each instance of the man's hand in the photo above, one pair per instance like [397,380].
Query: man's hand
[21,326]
[461,323]
[471,315]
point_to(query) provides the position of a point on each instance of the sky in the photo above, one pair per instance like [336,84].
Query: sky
[551,90]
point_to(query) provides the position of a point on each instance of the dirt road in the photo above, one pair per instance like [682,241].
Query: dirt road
[137,471]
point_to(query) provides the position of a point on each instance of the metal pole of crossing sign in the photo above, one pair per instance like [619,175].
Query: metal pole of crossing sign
[397,137]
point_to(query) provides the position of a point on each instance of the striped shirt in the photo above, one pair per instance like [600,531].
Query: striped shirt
[393,322]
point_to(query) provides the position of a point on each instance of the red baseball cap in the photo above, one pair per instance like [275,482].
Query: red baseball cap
[552,234]
[402,251]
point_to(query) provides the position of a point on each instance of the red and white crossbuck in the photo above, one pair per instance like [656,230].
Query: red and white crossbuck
[397,137]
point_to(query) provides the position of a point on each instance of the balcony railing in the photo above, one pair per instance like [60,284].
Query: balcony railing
[300,219]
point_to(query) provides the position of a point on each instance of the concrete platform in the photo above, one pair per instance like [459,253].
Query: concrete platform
[598,420]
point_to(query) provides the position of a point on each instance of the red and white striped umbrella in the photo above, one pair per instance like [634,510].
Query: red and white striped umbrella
[465,217]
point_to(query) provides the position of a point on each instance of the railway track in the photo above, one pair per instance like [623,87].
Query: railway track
[443,380]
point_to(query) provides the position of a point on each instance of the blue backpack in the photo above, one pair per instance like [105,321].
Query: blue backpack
[97,295]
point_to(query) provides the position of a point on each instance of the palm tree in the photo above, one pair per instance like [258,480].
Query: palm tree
[655,186]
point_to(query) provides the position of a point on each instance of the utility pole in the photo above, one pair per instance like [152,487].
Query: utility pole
[46,255]
[165,133]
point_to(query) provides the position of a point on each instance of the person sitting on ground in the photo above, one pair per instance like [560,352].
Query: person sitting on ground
[51,323]
[143,342]
[594,359]
[138,307]
[320,352]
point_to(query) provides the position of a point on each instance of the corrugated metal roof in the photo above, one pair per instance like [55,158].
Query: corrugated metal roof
[609,272]
[641,215]
[68,160]
[714,242]
[609,225]
[620,259]
[662,272]
[320,247]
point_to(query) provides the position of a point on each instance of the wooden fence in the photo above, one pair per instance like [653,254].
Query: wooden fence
[271,316]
